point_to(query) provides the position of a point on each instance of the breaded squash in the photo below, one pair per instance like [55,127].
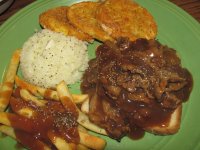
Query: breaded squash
[125,18]
[82,16]
[56,20]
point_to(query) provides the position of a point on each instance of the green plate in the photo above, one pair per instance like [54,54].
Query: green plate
[176,29]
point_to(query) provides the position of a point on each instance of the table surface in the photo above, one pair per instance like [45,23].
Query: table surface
[190,6]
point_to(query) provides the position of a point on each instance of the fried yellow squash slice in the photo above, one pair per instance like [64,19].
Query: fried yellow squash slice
[82,16]
[125,18]
[56,20]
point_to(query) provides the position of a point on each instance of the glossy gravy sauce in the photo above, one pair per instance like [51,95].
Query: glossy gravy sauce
[137,85]
[45,120]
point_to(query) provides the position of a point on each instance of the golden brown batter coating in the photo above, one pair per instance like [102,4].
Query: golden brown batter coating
[82,16]
[56,20]
[127,19]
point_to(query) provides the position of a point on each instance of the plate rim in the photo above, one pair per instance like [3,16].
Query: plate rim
[180,12]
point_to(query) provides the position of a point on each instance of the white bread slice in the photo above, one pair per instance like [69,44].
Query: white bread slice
[172,127]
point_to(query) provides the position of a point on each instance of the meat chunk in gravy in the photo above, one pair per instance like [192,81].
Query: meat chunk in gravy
[134,85]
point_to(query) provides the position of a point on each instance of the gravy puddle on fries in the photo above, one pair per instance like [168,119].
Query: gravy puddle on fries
[44,119]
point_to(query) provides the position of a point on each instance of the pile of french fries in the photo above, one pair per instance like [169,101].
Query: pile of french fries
[40,96]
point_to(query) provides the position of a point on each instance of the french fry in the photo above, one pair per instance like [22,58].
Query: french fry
[8,82]
[57,141]
[8,131]
[85,107]
[36,90]
[60,143]
[35,143]
[85,122]
[91,141]
[65,97]
[82,119]
[28,97]
[82,147]
[47,93]
[4,119]
[80,98]
[20,122]
[63,91]
[82,129]
[26,112]
[85,139]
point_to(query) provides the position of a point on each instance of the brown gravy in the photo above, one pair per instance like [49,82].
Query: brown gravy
[134,85]
[52,117]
